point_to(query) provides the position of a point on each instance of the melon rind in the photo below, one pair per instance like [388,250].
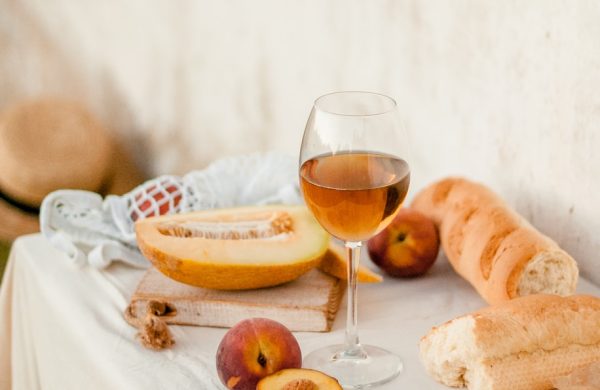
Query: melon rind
[234,264]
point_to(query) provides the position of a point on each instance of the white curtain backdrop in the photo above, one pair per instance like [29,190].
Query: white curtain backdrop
[505,92]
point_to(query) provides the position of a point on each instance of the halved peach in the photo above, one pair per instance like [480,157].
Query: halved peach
[298,379]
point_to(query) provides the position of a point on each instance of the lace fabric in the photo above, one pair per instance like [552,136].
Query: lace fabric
[96,231]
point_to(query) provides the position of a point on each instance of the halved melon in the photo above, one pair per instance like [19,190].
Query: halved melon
[234,249]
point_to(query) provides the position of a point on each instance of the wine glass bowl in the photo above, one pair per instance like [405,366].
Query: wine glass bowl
[354,195]
[354,178]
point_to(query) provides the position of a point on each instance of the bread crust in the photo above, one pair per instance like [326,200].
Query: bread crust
[540,321]
[487,243]
[519,344]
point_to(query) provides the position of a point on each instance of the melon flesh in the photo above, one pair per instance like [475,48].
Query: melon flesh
[233,249]
[335,263]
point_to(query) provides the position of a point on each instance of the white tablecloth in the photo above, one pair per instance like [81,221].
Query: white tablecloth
[61,327]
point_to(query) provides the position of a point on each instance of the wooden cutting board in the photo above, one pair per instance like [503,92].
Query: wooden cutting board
[309,303]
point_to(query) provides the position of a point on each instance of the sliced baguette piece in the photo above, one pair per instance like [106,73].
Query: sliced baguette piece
[492,246]
[522,344]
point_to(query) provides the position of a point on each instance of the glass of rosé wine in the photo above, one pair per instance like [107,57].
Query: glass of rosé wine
[354,178]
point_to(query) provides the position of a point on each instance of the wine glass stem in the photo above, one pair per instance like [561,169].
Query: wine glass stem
[353,348]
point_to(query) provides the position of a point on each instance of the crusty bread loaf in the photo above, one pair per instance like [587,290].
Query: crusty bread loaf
[493,247]
[583,378]
[522,344]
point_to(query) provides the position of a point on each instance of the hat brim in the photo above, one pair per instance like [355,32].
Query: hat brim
[15,223]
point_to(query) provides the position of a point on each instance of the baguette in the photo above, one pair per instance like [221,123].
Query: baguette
[492,246]
[582,378]
[522,344]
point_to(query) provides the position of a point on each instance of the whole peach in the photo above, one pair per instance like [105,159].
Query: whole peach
[407,247]
[253,349]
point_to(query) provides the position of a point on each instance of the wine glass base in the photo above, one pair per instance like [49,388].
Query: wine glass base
[370,367]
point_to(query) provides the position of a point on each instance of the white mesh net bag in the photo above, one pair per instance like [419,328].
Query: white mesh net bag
[97,231]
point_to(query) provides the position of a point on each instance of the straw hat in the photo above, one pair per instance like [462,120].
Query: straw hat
[51,144]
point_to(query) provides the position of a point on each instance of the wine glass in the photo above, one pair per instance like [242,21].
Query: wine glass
[354,179]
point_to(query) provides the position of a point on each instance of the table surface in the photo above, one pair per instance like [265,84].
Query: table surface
[61,326]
